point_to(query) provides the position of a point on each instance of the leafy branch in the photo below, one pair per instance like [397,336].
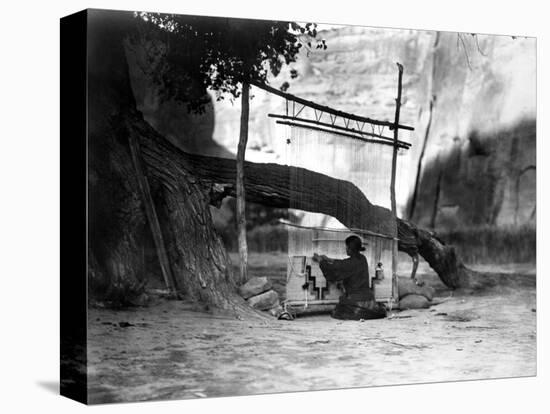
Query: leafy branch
[188,54]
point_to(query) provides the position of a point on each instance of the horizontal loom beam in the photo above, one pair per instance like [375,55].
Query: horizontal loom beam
[335,230]
[338,127]
[327,109]
[375,141]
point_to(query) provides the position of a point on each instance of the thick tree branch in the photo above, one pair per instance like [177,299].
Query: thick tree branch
[269,184]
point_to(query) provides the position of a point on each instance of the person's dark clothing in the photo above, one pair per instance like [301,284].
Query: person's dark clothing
[358,303]
[350,309]
[353,272]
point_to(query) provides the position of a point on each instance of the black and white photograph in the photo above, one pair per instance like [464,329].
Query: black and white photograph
[255,206]
[282,206]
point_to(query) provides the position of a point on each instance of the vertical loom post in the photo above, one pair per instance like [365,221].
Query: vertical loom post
[393,171]
[241,216]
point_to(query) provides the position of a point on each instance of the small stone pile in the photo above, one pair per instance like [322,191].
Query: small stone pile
[412,296]
[259,294]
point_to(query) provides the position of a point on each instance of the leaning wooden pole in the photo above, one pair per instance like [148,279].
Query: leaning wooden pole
[241,215]
[151,214]
[393,173]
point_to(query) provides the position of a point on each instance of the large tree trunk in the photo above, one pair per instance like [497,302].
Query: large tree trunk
[269,184]
[118,229]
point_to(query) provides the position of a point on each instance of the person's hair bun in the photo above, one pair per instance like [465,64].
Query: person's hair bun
[354,243]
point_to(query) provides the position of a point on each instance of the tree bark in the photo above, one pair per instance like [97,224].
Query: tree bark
[118,230]
[151,213]
[241,202]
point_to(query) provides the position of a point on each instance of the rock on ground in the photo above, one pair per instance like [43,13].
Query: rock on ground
[414,302]
[407,286]
[254,286]
[276,311]
[264,301]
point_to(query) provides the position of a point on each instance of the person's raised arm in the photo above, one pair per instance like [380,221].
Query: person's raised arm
[319,258]
[337,269]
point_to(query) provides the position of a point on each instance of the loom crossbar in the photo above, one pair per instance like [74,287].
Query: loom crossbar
[335,230]
[328,109]
[339,128]
[376,141]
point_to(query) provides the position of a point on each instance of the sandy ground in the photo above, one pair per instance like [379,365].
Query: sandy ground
[169,351]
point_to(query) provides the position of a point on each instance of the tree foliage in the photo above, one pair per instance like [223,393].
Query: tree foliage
[187,54]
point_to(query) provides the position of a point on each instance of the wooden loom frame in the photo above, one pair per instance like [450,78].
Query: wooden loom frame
[354,133]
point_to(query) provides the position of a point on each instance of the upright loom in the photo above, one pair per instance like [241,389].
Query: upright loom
[354,149]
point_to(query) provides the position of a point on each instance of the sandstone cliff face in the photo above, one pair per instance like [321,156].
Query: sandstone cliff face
[480,158]
[472,101]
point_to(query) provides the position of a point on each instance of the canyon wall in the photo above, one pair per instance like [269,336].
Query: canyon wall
[479,164]
[471,99]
